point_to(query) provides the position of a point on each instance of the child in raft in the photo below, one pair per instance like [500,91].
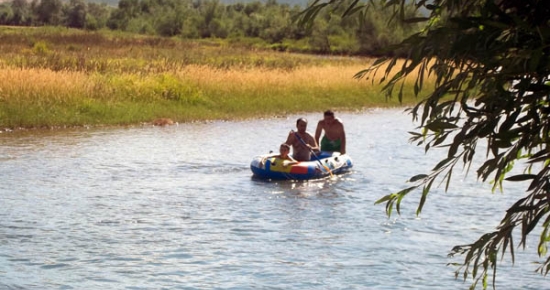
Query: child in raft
[287,160]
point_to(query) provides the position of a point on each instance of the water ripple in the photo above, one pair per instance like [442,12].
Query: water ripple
[147,208]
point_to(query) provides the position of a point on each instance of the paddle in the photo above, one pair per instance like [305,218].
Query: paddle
[312,152]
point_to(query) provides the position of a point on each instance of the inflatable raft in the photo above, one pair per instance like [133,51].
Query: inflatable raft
[270,167]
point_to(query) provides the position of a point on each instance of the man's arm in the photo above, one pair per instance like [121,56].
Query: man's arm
[311,142]
[343,143]
[318,131]
[289,139]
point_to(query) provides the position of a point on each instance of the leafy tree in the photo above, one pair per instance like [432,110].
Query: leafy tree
[171,24]
[97,16]
[239,7]
[189,29]
[139,25]
[120,18]
[275,25]
[252,7]
[131,8]
[48,12]
[218,29]
[271,22]
[252,25]
[296,31]
[91,23]
[21,12]
[491,63]
[318,39]
[6,14]
[75,13]
[210,11]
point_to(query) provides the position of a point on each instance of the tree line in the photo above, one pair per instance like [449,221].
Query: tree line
[271,22]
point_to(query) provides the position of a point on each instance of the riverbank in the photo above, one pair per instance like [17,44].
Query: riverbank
[52,77]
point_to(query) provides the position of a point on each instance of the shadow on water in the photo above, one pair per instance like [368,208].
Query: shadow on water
[326,187]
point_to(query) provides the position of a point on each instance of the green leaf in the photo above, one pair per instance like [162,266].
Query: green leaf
[449,174]
[392,3]
[361,74]
[540,153]
[440,139]
[500,143]
[521,177]
[544,238]
[416,20]
[398,203]
[400,94]
[405,191]
[350,9]
[437,126]
[442,163]
[425,192]
[415,134]
[385,198]
[538,159]
[392,198]
[380,61]
[417,177]
[306,17]
[457,141]
[534,59]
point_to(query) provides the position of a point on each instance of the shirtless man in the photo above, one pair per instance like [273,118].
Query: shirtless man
[300,151]
[334,139]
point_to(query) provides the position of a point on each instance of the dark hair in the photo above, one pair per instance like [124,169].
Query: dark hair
[301,119]
[286,146]
[329,113]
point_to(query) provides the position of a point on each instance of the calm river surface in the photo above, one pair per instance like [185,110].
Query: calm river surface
[176,208]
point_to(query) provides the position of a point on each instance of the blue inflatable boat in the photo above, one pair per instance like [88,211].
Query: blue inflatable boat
[270,167]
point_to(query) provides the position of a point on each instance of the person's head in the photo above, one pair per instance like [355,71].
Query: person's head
[328,116]
[301,125]
[284,149]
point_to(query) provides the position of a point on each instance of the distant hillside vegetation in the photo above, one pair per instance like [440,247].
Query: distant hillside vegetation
[259,24]
[301,3]
[113,3]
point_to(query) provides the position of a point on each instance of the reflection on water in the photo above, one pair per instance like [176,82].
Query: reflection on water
[317,188]
[176,207]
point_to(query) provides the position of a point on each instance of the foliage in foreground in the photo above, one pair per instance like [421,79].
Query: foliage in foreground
[493,58]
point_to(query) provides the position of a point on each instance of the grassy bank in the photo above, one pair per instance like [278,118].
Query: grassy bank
[55,77]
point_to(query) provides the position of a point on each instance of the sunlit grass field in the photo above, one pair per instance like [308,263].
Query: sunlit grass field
[52,77]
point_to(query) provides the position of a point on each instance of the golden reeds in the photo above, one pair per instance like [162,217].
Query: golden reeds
[60,79]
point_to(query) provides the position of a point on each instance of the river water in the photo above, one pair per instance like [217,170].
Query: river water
[176,208]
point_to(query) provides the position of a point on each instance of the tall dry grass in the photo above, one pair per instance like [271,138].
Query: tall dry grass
[61,79]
